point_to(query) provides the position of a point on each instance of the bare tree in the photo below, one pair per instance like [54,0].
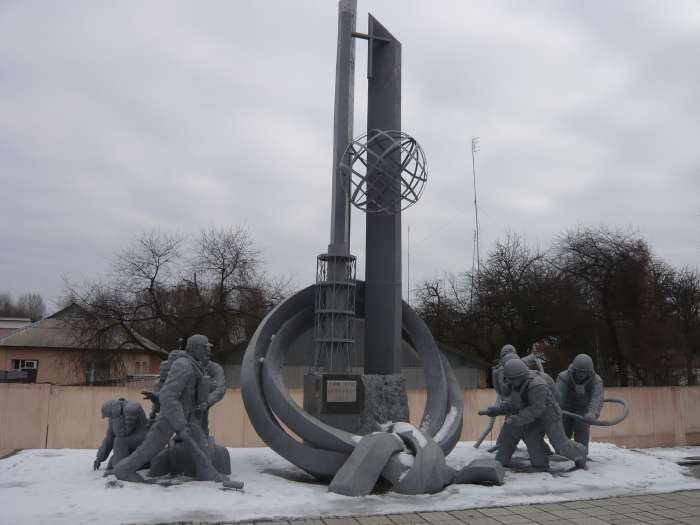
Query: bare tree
[683,288]
[611,269]
[7,305]
[30,305]
[167,287]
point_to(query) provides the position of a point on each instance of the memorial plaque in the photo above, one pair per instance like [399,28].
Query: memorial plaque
[342,394]
[341,391]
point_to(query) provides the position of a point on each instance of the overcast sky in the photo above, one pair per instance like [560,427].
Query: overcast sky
[122,117]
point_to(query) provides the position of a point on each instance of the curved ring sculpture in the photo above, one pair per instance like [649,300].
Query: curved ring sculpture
[323,449]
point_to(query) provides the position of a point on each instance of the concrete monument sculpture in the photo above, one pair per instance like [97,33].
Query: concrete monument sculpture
[533,413]
[581,392]
[182,397]
[578,392]
[380,173]
[175,458]
[126,430]
[507,353]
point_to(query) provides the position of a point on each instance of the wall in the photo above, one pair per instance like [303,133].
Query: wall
[46,416]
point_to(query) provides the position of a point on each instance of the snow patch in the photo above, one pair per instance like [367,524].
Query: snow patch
[450,420]
[59,487]
[407,428]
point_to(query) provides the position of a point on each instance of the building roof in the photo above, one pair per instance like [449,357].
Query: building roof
[14,322]
[62,329]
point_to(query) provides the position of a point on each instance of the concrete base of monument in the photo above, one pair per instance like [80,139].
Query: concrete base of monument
[359,408]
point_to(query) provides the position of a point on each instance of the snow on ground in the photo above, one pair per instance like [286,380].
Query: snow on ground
[59,487]
[672,454]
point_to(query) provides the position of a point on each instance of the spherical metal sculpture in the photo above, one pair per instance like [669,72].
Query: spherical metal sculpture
[384,171]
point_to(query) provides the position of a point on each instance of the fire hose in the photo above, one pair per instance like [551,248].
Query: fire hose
[594,422]
[602,423]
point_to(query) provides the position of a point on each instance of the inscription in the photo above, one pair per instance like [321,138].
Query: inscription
[341,391]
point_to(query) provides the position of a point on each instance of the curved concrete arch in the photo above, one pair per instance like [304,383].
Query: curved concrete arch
[325,448]
[317,462]
[303,424]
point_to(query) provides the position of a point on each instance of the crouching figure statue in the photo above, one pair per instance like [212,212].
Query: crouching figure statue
[126,430]
[532,413]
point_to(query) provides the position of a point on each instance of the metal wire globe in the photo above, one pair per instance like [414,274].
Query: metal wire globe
[384,171]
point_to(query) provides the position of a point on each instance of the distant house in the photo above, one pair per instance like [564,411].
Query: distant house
[11,324]
[55,350]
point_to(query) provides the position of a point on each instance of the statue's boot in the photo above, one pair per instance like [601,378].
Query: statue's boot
[481,471]
[134,477]
[564,446]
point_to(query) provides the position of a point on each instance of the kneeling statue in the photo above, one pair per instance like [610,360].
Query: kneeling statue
[126,430]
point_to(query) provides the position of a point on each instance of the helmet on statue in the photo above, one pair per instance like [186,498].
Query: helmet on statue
[515,372]
[507,350]
[582,368]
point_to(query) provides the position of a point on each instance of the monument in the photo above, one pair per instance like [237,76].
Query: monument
[353,426]
[535,406]
[182,398]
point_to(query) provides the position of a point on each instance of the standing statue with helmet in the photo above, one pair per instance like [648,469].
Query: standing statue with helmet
[580,392]
[182,398]
[532,413]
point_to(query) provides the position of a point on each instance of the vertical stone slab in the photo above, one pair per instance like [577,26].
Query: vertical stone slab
[383,241]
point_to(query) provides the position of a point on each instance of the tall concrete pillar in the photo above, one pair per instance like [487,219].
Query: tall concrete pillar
[383,241]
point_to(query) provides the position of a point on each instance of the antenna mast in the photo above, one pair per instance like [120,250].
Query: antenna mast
[476,254]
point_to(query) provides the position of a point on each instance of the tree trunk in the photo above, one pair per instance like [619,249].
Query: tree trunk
[689,370]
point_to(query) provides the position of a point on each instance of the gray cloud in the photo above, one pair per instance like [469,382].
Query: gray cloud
[123,117]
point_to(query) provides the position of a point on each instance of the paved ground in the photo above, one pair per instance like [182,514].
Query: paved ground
[662,509]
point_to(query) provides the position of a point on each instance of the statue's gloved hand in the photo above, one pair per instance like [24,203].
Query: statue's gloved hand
[96,464]
[150,396]
[591,416]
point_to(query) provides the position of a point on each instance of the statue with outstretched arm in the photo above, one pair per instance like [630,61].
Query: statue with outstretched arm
[533,413]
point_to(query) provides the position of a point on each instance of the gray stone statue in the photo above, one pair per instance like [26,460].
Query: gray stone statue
[507,353]
[533,413]
[175,459]
[214,373]
[580,391]
[181,403]
[126,430]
